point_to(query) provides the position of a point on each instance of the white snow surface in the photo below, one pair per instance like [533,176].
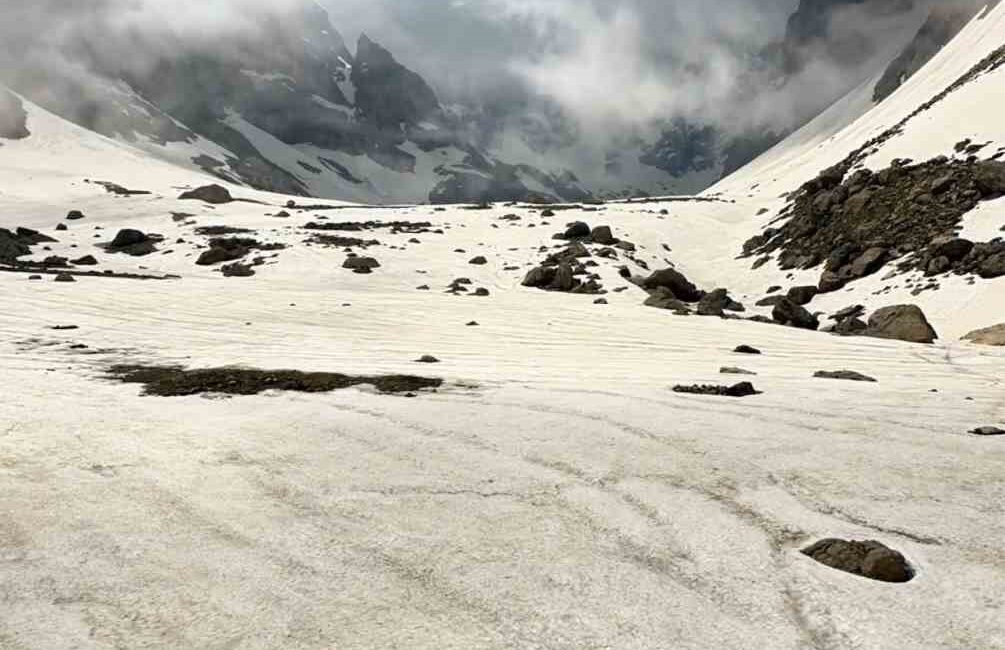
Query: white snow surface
[555,493]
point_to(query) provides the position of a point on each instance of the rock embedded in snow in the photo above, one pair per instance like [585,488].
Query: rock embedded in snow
[663,298]
[869,559]
[86,260]
[427,358]
[602,235]
[675,282]
[994,335]
[64,277]
[132,242]
[237,270]
[988,431]
[577,230]
[732,370]
[901,322]
[74,215]
[212,194]
[716,303]
[743,389]
[361,264]
[746,349]
[802,295]
[848,375]
[787,312]
[478,261]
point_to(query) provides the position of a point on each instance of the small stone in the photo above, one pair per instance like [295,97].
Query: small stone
[74,215]
[426,358]
[988,431]
[478,261]
[746,349]
[65,277]
[848,375]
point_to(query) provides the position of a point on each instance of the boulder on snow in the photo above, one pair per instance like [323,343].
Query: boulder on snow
[361,264]
[717,303]
[602,235]
[663,298]
[675,282]
[132,242]
[869,559]
[213,194]
[787,312]
[577,230]
[802,295]
[988,431]
[901,322]
[86,260]
[994,335]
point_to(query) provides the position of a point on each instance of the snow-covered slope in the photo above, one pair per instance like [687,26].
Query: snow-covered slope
[554,492]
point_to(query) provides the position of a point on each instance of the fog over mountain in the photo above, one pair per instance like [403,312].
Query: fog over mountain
[477,99]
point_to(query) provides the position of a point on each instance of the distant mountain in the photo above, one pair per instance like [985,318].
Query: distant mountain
[289,108]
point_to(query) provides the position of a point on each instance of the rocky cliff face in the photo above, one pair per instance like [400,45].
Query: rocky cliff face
[945,20]
[287,107]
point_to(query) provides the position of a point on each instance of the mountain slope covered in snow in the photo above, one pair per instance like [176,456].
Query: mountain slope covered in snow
[244,419]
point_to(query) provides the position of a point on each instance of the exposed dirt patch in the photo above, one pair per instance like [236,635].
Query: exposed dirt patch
[174,381]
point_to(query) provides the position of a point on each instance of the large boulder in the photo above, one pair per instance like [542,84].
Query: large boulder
[214,194]
[992,267]
[602,235]
[128,237]
[901,322]
[717,303]
[802,295]
[577,230]
[787,312]
[663,298]
[675,281]
[994,335]
[133,242]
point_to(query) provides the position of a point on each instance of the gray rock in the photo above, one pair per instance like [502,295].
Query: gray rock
[427,358]
[213,194]
[994,335]
[64,277]
[787,312]
[901,322]
[802,295]
[478,261]
[730,370]
[988,431]
[602,235]
[675,282]
[663,298]
[746,349]
[849,375]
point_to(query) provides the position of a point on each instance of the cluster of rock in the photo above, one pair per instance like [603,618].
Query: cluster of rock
[670,289]
[743,389]
[565,271]
[856,223]
[396,227]
[18,243]
[231,249]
